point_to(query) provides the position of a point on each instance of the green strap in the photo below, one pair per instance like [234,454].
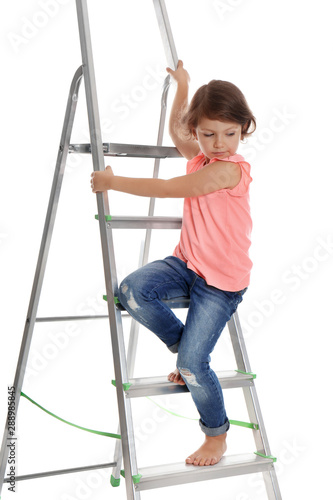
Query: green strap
[118,436]
[244,424]
[108,434]
[168,411]
[247,373]
[233,422]
[265,456]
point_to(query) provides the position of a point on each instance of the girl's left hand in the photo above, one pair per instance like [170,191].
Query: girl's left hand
[102,181]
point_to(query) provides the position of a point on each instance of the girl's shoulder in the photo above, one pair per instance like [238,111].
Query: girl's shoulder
[195,163]
[242,187]
[199,161]
[241,161]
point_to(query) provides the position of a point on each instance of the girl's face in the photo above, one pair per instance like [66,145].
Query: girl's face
[217,139]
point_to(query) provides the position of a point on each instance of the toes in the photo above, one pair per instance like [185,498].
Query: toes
[200,461]
[179,379]
[176,378]
[197,461]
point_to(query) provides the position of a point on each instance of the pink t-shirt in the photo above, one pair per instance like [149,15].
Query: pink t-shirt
[216,230]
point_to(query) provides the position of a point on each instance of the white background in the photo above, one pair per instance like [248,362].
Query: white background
[279,54]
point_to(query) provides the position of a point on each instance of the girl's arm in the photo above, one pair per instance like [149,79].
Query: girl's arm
[188,147]
[215,176]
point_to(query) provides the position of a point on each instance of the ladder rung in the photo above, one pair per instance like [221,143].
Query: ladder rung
[62,471]
[181,473]
[177,303]
[153,386]
[129,150]
[152,222]
[51,319]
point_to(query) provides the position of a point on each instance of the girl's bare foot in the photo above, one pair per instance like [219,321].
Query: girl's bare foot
[210,453]
[176,377]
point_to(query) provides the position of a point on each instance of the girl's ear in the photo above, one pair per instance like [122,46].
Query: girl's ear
[194,133]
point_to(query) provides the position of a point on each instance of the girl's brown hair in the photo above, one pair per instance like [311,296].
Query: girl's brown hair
[220,100]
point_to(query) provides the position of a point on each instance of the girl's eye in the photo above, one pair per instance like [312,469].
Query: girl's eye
[208,135]
[232,133]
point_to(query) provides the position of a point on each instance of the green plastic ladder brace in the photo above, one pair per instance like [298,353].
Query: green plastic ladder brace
[116,482]
[116,300]
[108,218]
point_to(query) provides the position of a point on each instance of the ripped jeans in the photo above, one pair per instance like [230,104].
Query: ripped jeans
[142,292]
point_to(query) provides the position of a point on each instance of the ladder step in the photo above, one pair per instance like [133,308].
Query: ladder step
[181,473]
[153,386]
[152,222]
[129,150]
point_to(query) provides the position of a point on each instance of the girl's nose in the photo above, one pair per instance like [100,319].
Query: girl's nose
[218,142]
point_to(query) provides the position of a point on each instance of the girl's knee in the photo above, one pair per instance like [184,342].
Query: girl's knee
[189,375]
[126,295]
[188,364]
[132,291]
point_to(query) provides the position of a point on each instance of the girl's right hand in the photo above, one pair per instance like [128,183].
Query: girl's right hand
[180,74]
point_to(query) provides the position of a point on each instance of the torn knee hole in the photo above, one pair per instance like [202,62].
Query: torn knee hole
[132,304]
[189,377]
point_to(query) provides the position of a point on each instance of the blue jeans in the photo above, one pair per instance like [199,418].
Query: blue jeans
[142,292]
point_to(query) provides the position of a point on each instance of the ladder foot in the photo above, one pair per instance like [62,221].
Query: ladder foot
[114,481]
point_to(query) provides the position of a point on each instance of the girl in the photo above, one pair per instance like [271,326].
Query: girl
[210,264]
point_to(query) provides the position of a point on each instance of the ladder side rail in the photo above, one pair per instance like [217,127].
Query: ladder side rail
[166,33]
[252,404]
[172,59]
[243,364]
[117,339]
[42,257]
[145,255]
[157,162]
[134,329]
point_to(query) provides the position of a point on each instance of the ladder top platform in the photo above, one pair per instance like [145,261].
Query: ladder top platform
[129,150]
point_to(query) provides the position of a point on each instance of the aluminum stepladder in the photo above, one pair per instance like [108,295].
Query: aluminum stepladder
[136,479]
